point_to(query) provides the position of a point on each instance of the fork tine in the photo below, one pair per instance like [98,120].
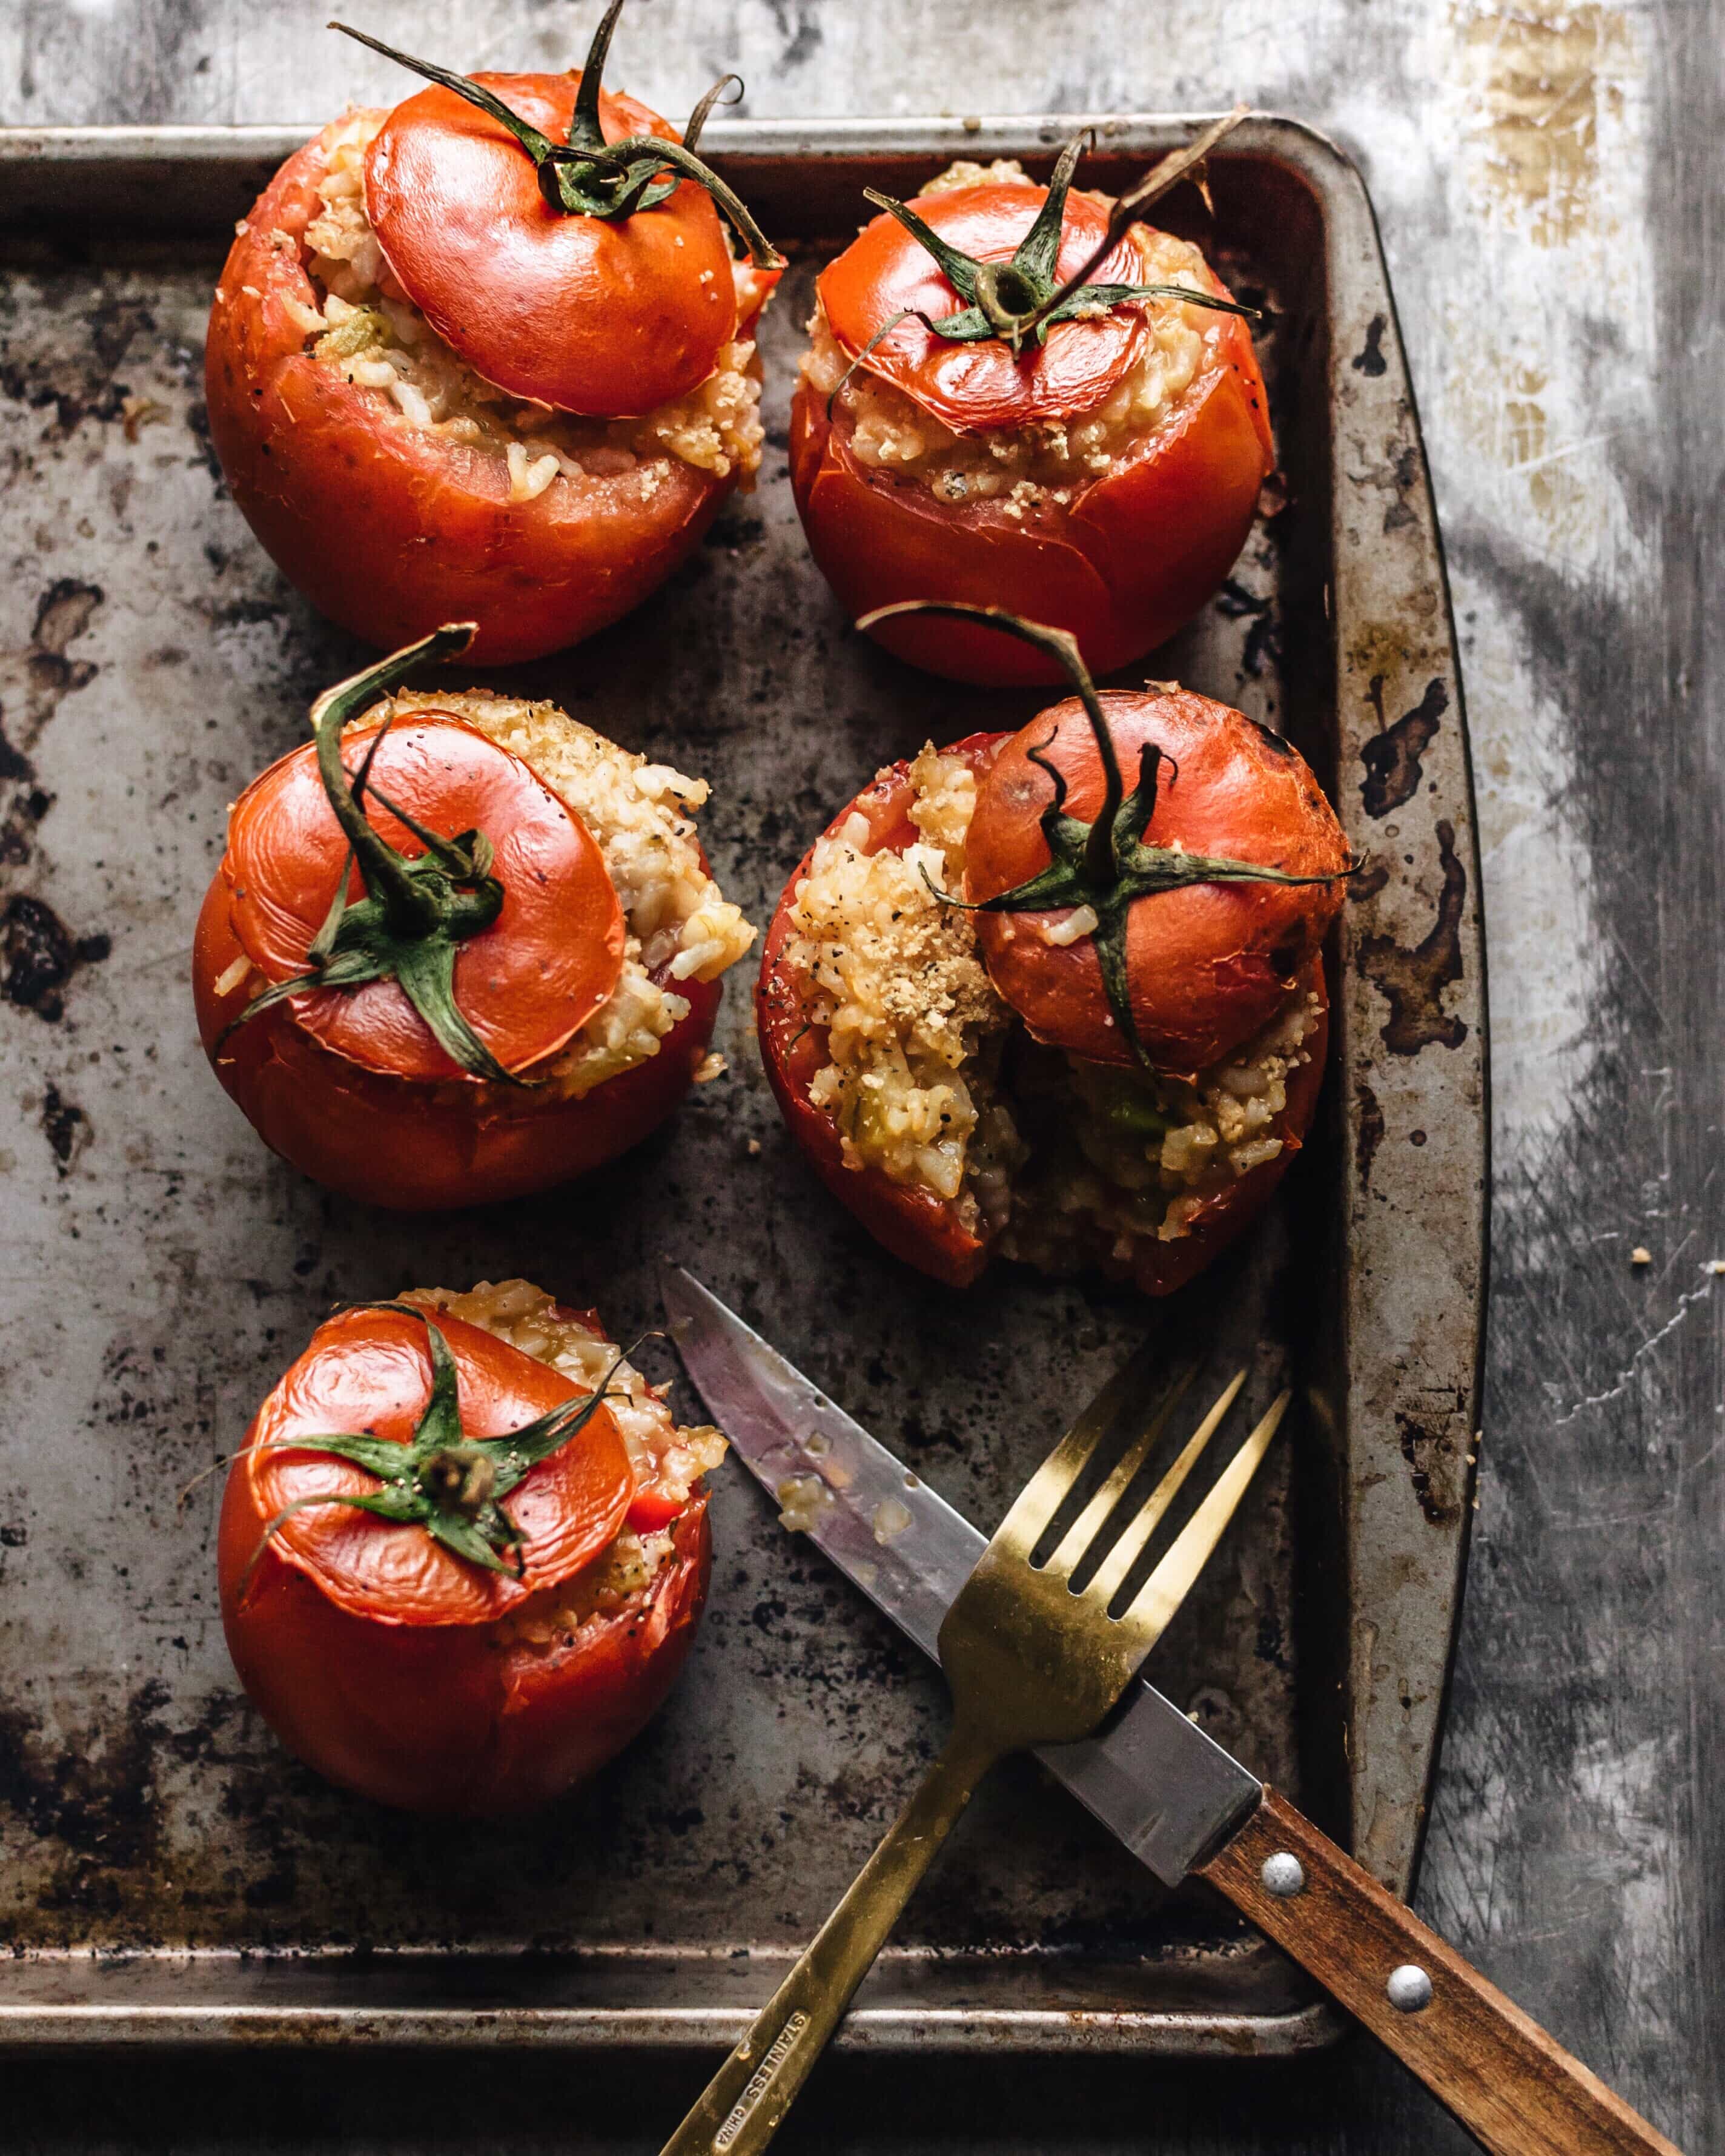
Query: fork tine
[1079,1537]
[1149,1610]
[1042,1496]
[1127,1551]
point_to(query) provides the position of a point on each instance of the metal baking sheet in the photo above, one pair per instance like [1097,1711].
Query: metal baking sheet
[167,1872]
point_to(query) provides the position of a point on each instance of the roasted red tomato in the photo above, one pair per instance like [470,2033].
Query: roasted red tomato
[1060,994]
[463,1555]
[1016,397]
[412,969]
[488,357]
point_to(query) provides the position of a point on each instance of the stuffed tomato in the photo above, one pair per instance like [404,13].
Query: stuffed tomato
[464,1553]
[489,357]
[1058,995]
[1022,397]
[459,947]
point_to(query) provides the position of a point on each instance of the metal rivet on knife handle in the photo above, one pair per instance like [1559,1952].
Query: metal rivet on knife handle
[1283,1875]
[1409,1990]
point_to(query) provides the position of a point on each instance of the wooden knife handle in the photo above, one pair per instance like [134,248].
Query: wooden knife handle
[1516,2091]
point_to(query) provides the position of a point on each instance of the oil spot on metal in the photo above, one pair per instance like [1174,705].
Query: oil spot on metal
[45,670]
[1369,358]
[39,954]
[66,1127]
[94,1796]
[1413,982]
[1431,1452]
[26,810]
[1263,639]
[42,674]
[78,385]
[1370,1135]
[1392,758]
[62,613]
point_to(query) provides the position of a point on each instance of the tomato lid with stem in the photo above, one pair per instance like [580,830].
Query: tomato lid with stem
[562,239]
[422,1471]
[1004,304]
[428,904]
[1189,944]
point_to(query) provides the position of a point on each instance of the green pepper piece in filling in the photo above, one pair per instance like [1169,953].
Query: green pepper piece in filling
[1141,1118]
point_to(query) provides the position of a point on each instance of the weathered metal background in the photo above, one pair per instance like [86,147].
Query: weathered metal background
[167,1267]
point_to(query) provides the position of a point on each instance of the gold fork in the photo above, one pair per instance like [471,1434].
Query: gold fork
[1031,1659]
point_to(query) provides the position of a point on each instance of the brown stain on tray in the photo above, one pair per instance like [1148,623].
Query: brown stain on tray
[1413,982]
[1370,1115]
[1430,1451]
[39,955]
[1392,757]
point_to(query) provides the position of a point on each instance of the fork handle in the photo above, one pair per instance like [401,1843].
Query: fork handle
[1516,2091]
[743,2103]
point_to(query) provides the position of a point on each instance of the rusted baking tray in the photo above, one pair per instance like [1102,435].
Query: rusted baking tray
[167,1872]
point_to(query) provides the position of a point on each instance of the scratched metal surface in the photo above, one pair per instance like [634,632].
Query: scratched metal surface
[1548,184]
[150,1814]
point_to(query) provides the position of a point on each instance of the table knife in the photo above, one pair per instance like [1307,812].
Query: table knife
[1173,1796]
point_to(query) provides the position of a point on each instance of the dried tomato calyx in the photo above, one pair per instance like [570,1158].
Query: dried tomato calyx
[1020,299]
[415,912]
[451,1484]
[1104,865]
[588,176]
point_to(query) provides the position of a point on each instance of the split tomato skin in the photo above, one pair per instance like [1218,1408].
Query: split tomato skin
[914,1224]
[391,530]
[1122,565]
[461,1718]
[414,1146]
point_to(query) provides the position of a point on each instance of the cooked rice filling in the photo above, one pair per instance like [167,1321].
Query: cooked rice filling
[676,920]
[365,327]
[931,1080]
[892,975]
[1054,460]
[526,1317]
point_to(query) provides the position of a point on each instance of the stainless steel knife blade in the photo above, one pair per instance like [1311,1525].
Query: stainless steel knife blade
[1153,1778]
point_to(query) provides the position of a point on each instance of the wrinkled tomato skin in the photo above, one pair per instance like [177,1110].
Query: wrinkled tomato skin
[1122,566]
[390,531]
[886,276]
[416,1148]
[1209,964]
[449,1718]
[915,1226]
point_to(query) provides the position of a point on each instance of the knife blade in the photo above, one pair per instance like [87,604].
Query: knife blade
[1168,1791]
